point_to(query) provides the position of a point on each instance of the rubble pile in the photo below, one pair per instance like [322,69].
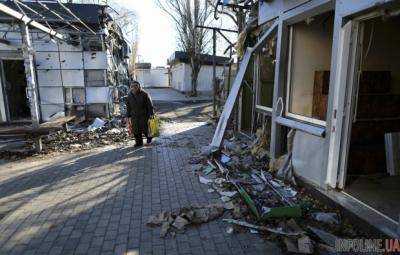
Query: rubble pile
[84,137]
[262,197]
[173,222]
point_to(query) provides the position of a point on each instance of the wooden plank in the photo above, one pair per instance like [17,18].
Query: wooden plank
[230,102]
[43,129]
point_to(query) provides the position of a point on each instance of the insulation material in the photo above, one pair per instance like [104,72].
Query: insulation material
[47,60]
[95,78]
[50,110]
[51,95]
[73,78]
[95,59]
[71,60]
[96,95]
[49,78]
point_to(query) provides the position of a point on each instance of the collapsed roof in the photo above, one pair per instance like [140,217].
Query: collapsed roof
[88,13]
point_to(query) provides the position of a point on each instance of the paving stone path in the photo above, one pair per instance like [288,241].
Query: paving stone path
[98,202]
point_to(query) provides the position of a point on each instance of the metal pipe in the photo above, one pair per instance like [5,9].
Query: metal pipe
[28,21]
[214,73]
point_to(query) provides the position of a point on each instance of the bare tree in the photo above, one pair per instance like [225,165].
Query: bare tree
[187,15]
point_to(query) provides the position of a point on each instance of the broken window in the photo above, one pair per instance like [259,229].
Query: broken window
[310,51]
[266,75]
[74,96]
[92,43]
[95,78]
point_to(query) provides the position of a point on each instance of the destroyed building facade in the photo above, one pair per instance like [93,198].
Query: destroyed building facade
[330,71]
[77,76]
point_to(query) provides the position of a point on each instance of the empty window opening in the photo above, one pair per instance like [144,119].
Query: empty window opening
[95,78]
[266,74]
[15,88]
[75,96]
[373,170]
[310,51]
[246,117]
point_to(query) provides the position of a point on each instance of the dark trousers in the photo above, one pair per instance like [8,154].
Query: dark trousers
[140,128]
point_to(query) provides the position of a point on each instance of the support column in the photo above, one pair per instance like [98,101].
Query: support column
[30,74]
[276,148]
[214,74]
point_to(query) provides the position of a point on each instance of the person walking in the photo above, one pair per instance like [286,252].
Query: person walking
[139,110]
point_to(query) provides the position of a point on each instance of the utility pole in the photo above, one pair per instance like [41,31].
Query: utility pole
[30,74]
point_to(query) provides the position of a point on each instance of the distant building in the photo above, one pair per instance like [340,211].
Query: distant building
[180,72]
[151,77]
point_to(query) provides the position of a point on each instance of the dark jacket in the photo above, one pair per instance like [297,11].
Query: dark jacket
[139,106]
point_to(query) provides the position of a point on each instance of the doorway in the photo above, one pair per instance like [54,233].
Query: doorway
[15,86]
[372,159]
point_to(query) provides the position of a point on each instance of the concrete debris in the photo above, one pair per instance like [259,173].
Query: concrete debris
[331,218]
[326,237]
[97,123]
[204,180]
[263,228]
[229,230]
[179,221]
[305,245]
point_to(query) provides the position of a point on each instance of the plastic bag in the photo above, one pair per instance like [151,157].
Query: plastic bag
[154,126]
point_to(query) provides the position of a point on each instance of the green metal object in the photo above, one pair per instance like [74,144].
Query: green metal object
[250,203]
[283,212]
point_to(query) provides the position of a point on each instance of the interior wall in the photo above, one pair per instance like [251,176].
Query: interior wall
[384,53]
[311,52]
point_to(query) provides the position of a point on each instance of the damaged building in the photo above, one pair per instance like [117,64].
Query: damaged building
[75,74]
[328,70]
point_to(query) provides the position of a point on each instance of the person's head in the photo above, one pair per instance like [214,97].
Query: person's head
[135,87]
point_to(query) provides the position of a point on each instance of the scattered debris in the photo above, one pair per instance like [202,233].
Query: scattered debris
[331,218]
[97,123]
[171,222]
[305,245]
[326,237]
[263,228]
[205,180]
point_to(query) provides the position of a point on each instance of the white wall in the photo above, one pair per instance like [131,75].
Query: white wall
[181,78]
[156,77]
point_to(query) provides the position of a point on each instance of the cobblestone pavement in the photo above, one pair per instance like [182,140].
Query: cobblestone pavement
[98,202]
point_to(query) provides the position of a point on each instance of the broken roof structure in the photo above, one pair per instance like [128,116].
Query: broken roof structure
[59,59]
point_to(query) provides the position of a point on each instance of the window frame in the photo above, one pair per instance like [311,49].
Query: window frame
[289,114]
[258,106]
